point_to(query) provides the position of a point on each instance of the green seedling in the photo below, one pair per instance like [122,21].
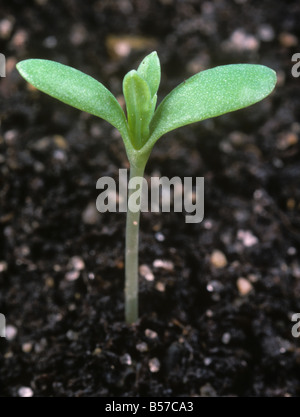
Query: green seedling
[207,94]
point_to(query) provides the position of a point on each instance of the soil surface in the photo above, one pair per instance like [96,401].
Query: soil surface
[216,298]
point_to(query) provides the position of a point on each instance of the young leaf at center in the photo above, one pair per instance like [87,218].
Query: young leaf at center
[139,107]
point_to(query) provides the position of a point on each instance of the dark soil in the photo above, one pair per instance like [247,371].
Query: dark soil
[202,330]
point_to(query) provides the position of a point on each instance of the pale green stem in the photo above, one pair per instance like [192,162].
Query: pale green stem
[131,254]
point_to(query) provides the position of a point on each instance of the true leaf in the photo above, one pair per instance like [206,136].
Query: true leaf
[139,107]
[149,69]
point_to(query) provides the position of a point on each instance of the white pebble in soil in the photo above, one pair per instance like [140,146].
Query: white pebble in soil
[154,365]
[244,286]
[25,392]
[159,237]
[151,334]
[142,347]
[11,332]
[126,359]
[77,263]
[90,214]
[167,265]
[218,259]
[247,238]
[72,275]
[226,338]
[146,273]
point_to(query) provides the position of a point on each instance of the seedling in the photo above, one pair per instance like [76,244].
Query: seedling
[207,94]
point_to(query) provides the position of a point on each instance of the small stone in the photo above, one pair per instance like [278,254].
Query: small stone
[42,144]
[27,347]
[91,276]
[290,204]
[247,238]
[207,391]
[218,259]
[253,278]
[3,266]
[72,307]
[10,137]
[77,263]
[146,273]
[167,265]
[97,352]
[241,41]
[121,46]
[160,286]
[199,63]
[71,335]
[207,361]
[244,286]
[6,27]
[266,33]
[126,359]
[151,334]
[40,346]
[291,252]
[49,282]
[288,39]
[59,155]
[142,347]
[57,268]
[214,286]
[60,142]
[120,264]
[96,131]
[238,139]
[159,237]
[156,227]
[208,224]
[11,332]
[90,214]
[154,365]
[287,140]
[25,392]
[72,275]
[50,42]
[20,38]
[38,167]
[296,270]
[258,194]
[226,338]
[277,163]
[78,34]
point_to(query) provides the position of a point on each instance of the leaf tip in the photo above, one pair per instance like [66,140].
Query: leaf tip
[24,66]
[20,66]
